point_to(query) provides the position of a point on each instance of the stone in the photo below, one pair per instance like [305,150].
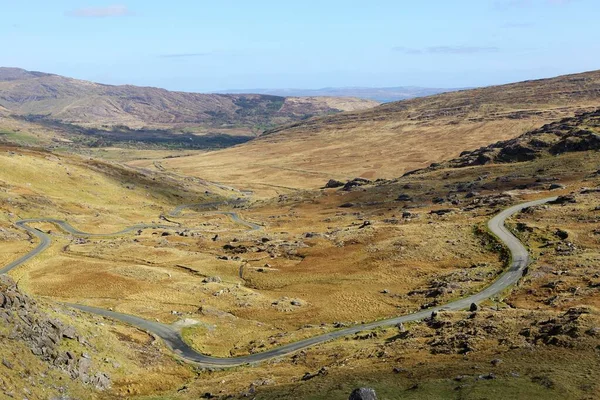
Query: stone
[69,332]
[101,381]
[363,394]
[332,184]
[365,224]
[566,199]
[442,211]
[556,186]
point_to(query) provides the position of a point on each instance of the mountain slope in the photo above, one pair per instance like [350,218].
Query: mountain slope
[391,139]
[93,104]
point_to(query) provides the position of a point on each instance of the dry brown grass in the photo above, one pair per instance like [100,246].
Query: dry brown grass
[389,140]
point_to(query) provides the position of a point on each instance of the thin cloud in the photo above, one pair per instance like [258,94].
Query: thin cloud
[407,50]
[507,4]
[454,50]
[184,55]
[101,12]
[518,25]
[462,50]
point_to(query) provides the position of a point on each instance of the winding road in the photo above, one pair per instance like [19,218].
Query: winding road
[172,336]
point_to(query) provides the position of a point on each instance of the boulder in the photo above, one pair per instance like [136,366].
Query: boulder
[332,184]
[566,199]
[363,394]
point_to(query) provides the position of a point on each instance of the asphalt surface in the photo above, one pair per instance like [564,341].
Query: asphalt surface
[172,337]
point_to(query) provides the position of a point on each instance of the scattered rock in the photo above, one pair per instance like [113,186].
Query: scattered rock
[308,376]
[590,190]
[212,279]
[355,183]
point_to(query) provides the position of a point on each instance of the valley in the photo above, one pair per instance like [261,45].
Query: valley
[400,275]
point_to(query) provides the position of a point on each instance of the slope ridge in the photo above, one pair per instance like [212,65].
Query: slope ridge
[391,139]
[94,104]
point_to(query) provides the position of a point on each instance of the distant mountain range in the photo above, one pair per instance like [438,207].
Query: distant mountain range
[382,95]
[89,104]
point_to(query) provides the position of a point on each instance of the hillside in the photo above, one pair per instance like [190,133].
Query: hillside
[97,105]
[386,141]
[320,260]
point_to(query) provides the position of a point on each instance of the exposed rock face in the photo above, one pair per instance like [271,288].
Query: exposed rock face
[43,335]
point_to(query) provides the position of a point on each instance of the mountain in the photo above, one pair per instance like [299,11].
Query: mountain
[382,95]
[92,104]
[388,140]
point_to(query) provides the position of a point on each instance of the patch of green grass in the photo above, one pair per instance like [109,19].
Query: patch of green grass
[18,137]
[402,388]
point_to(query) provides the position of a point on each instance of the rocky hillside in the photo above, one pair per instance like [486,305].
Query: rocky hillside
[96,105]
[579,133]
[44,343]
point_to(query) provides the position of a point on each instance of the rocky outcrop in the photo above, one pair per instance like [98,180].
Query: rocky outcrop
[44,335]
[575,134]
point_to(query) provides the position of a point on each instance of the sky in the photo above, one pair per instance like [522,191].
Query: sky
[203,46]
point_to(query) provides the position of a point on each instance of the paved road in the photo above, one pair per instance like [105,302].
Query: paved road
[171,336]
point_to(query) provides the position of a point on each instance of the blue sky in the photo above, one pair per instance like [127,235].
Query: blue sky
[200,45]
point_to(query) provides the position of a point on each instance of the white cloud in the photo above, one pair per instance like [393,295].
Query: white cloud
[101,12]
